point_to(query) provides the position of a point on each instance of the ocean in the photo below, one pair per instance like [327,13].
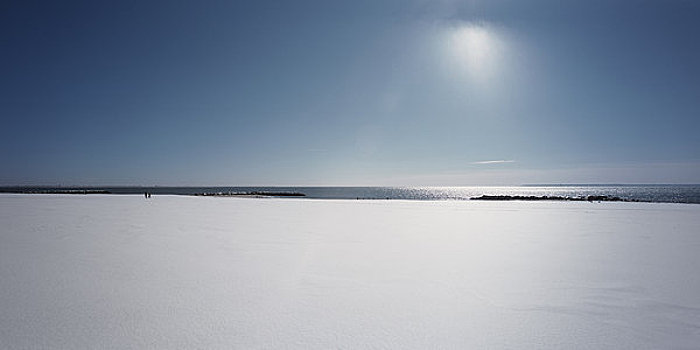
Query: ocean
[642,193]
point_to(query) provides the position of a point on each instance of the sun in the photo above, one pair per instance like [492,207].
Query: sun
[475,49]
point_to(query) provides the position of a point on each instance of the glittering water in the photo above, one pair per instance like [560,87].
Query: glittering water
[646,193]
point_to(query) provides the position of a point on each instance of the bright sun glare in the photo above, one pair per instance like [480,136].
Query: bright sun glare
[476,49]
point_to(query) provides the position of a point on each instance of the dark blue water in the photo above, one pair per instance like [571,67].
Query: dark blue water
[645,193]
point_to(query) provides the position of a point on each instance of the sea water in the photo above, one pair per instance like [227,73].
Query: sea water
[645,193]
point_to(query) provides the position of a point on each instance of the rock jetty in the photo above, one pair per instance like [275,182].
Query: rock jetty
[552,198]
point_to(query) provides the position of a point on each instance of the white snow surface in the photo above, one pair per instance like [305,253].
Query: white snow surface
[175,272]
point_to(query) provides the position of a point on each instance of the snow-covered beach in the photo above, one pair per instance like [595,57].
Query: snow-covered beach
[101,271]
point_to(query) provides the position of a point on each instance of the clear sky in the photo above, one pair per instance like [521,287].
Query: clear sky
[349,93]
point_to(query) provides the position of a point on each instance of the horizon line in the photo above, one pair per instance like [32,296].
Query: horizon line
[398,186]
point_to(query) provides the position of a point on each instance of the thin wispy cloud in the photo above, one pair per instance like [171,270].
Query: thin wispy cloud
[493,162]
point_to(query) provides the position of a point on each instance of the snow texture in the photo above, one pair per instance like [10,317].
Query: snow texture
[125,272]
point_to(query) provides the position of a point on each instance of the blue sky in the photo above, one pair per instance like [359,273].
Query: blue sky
[349,93]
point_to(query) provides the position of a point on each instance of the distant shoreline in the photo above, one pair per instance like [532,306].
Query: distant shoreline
[249,194]
[301,195]
[597,193]
[52,191]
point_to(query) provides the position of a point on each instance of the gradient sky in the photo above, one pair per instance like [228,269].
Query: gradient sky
[349,93]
